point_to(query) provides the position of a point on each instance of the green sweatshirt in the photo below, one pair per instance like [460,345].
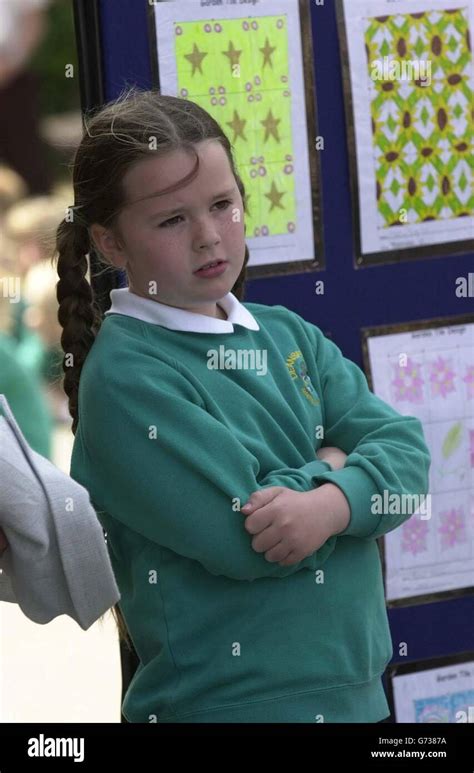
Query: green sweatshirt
[181,418]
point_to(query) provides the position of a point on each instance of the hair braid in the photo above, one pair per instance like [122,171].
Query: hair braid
[78,314]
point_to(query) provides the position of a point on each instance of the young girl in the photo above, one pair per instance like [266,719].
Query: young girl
[191,404]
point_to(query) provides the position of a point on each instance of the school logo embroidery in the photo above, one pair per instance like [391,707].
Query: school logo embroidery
[298,370]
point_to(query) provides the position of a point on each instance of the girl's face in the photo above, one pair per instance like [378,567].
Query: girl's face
[163,240]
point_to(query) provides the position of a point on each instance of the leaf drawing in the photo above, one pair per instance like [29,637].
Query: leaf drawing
[452,440]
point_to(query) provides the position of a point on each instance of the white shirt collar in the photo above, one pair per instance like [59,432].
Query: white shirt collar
[133,305]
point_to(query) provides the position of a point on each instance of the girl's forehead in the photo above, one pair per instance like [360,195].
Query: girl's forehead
[147,177]
[212,157]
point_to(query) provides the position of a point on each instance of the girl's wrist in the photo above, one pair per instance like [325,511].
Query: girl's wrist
[335,457]
[331,504]
[339,508]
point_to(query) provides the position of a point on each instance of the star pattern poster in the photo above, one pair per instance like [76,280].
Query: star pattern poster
[244,64]
[427,371]
[410,83]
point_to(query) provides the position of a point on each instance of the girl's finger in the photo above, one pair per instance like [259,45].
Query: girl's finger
[291,559]
[261,498]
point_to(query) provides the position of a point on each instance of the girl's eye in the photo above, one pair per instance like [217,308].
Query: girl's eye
[172,220]
[224,201]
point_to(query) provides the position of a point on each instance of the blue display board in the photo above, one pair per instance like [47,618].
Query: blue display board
[353,298]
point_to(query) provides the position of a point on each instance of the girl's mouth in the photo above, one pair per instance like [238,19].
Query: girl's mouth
[214,270]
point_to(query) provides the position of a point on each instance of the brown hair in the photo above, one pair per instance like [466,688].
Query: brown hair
[136,125]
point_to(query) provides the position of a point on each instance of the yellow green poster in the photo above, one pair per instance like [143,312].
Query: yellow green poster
[243,64]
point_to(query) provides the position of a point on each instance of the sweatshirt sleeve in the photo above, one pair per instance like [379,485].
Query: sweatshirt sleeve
[386,451]
[159,462]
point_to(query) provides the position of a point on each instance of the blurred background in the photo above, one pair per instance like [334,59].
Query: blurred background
[55,672]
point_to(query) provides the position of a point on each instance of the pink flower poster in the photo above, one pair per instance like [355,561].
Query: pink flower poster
[429,373]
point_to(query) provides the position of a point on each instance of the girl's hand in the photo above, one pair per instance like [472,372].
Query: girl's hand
[287,524]
[3,541]
[333,455]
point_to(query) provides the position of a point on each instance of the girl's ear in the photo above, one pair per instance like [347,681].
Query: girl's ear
[108,245]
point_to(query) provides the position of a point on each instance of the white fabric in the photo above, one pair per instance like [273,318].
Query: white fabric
[11,13]
[57,561]
[132,305]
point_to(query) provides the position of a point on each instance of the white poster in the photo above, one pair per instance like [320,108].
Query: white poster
[429,373]
[412,86]
[444,694]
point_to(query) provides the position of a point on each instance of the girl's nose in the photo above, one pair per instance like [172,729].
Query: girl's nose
[206,236]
